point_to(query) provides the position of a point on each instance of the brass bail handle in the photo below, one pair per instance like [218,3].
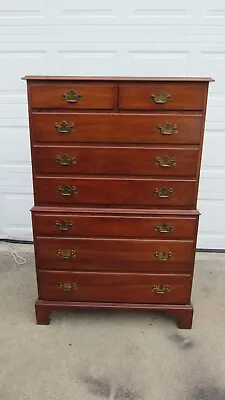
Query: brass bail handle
[167,128]
[165,162]
[65,160]
[67,286]
[71,96]
[160,97]
[66,254]
[63,225]
[67,190]
[164,192]
[164,228]
[64,127]
[163,255]
[161,289]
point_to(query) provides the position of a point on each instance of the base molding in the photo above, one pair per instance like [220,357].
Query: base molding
[183,313]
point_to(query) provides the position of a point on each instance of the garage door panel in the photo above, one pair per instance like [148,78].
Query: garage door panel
[13,63]
[22,13]
[213,155]
[212,186]
[87,62]
[100,12]
[214,11]
[176,61]
[212,224]
[211,59]
[215,116]
[12,110]
[17,155]
[12,203]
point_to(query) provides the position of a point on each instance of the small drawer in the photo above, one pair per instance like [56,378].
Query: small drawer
[115,191]
[165,128]
[84,225]
[94,160]
[73,96]
[161,96]
[114,287]
[94,254]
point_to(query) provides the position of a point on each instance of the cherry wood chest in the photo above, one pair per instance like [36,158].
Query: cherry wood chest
[116,165]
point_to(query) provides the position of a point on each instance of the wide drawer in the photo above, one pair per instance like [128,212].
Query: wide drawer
[73,225]
[116,160]
[73,96]
[162,96]
[167,128]
[93,254]
[114,287]
[115,191]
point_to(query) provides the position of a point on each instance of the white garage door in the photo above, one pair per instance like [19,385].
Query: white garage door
[109,37]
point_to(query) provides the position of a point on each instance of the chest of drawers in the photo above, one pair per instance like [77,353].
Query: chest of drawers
[116,165]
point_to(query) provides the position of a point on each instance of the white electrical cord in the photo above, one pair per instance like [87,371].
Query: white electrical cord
[18,259]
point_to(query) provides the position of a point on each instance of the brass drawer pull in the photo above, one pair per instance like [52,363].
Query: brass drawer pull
[71,96]
[164,192]
[161,289]
[63,225]
[160,97]
[163,255]
[164,228]
[67,286]
[167,129]
[66,190]
[66,254]
[65,160]
[165,162]
[64,127]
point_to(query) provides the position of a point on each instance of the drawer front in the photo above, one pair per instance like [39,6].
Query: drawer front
[114,287]
[116,160]
[117,128]
[73,96]
[161,96]
[73,225]
[115,191]
[114,254]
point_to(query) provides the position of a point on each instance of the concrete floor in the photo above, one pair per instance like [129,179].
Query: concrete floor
[86,355]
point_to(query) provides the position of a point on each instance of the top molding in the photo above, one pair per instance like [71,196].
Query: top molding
[116,78]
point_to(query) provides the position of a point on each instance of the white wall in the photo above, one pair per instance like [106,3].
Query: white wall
[109,37]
